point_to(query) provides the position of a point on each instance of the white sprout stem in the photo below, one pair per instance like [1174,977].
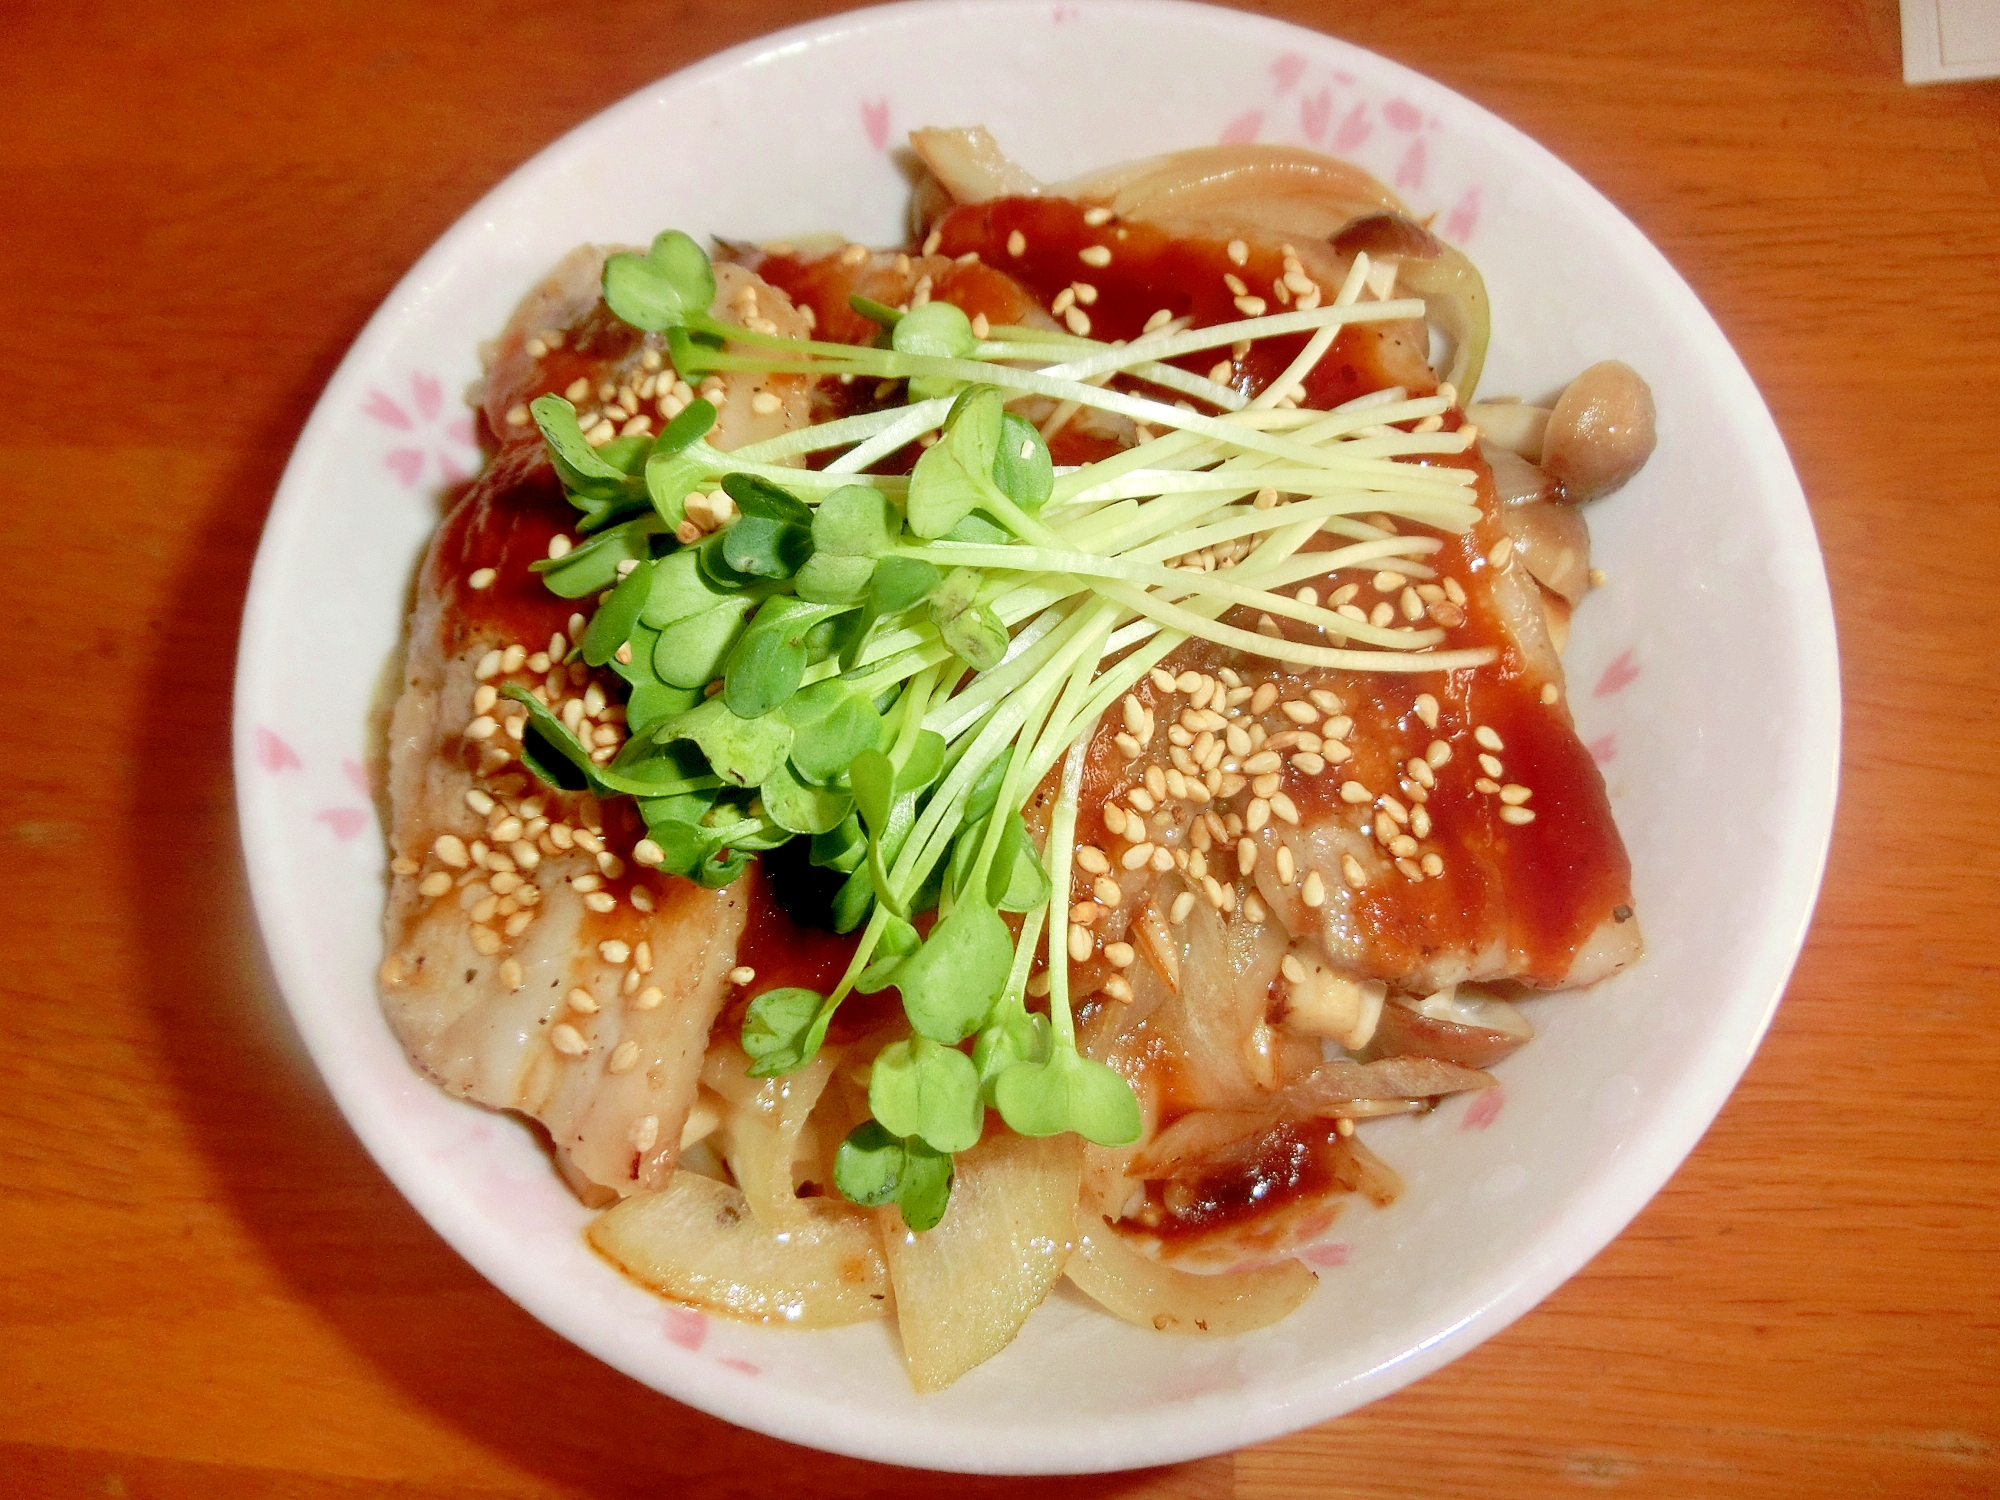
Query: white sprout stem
[924,417]
[1152,577]
[1024,952]
[846,430]
[1062,835]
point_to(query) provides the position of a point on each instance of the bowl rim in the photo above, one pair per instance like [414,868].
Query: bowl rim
[1220,1421]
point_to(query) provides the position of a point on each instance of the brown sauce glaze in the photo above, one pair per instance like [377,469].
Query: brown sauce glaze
[1151,269]
[1282,1188]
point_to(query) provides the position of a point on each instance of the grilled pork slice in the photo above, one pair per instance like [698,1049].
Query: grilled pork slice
[531,963]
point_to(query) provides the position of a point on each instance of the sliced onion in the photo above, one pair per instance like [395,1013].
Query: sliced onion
[697,1241]
[1454,293]
[1281,188]
[1513,425]
[965,1287]
[1514,478]
[1601,431]
[1141,1290]
[969,164]
[1553,544]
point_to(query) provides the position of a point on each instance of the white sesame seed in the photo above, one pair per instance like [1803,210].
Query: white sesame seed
[1183,904]
[624,1057]
[601,902]
[1250,307]
[1503,550]
[567,1040]
[450,850]
[1514,794]
[1080,944]
[485,940]
[1119,955]
[1490,764]
[1239,253]
[742,974]
[614,951]
[1095,255]
[1486,786]
[1439,753]
[581,1001]
[1091,858]
[1427,710]
[1485,735]
[1355,793]
[648,999]
[434,884]
[1312,890]
[1517,815]
[1138,855]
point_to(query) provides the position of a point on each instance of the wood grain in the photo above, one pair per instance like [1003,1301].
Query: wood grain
[207,1289]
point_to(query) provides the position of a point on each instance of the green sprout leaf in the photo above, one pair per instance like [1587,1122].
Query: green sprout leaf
[1014,1035]
[1022,467]
[593,567]
[548,748]
[580,467]
[1017,881]
[843,849]
[803,808]
[743,752]
[783,1029]
[769,659]
[941,492]
[936,328]
[971,629]
[690,652]
[950,983]
[868,1167]
[1068,1092]
[679,590]
[918,1088]
[926,1187]
[692,423]
[663,288]
[833,722]
[896,941]
[873,1167]
[612,625]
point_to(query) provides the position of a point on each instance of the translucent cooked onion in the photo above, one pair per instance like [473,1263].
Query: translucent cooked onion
[1600,432]
[970,166]
[1552,543]
[1141,1290]
[1285,189]
[1454,292]
[1332,1084]
[964,1288]
[698,1242]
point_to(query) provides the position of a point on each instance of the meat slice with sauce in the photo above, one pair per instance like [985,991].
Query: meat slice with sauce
[1269,854]
[531,963]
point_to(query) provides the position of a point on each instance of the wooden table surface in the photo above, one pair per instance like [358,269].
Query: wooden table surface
[208,1290]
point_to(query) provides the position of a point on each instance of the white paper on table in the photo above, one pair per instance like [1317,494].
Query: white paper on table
[1950,39]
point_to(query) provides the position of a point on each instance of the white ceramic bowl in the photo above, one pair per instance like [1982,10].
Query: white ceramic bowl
[1703,676]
